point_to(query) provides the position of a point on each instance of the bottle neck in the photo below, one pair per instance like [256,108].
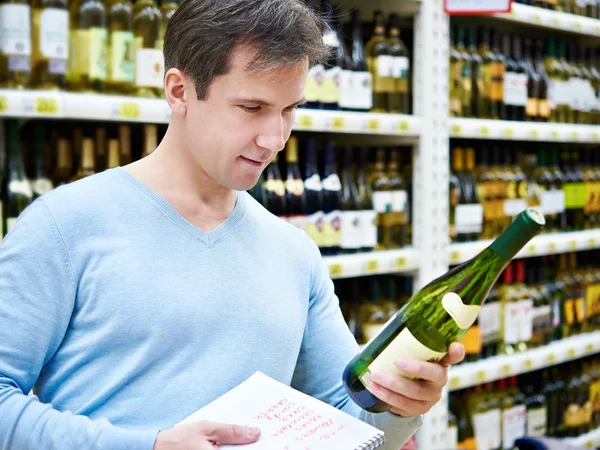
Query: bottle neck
[526,225]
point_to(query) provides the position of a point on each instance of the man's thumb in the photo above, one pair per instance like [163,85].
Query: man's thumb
[225,433]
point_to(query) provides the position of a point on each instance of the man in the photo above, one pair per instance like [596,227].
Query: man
[132,298]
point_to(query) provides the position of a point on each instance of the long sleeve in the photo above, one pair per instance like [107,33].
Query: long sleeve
[37,296]
[327,347]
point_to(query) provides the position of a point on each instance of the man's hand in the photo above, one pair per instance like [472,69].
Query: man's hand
[411,398]
[204,435]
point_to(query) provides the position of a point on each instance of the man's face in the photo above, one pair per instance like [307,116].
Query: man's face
[243,122]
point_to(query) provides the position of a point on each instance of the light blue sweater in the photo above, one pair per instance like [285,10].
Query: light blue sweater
[125,318]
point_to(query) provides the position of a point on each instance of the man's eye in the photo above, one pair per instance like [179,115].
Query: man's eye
[249,109]
[291,108]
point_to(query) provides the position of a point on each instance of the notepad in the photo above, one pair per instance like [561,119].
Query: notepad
[288,418]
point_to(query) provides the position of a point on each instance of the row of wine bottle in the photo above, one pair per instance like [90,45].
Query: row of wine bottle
[358,205]
[84,45]
[491,184]
[561,401]
[38,158]
[509,77]
[372,77]
[587,8]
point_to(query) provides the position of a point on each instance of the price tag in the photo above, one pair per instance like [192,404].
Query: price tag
[555,135]
[572,245]
[305,121]
[455,257]
[592,243]
[3,104]
[571,353]
[531,249]
[372,265]
[506,369]
[373,124]
[528,364]
[589,348]
[455,383]
[537,18]
[128,110]
[46,105]
[403,125]
[577,25]
[456,130]
[400,263]
[534,134]
[552,247]
[595,136]
[574,135]
[336,270]
[338,123]
[555,22]
[480,376]
[596,29]
[484,131]
[509,133]
[551,358]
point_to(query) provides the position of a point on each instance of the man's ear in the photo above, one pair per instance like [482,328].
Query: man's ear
[178,89]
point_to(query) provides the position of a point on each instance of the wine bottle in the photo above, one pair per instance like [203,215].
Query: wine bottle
[455,76]
[15,44]
[150,139]
[533,84]
[314,193]
[565,90]
[382,201]
[543,109]
[454,193]
[41,183]
[50,44]
[344,62]
[17,189]
[119,21]
[399,99]
[352,230]
[515,81]
[398,218]
[314,80]
[64,164]
[125,144]
[365,201]
[87,165]
[499,68]
[294,186]
[275,189]
[87,54]
[332,196]
[329,95]
[466,78]
[113,154]
[149,62]
[478,92]
[488,66]
[363,80]
[380,64]
[437,315]
[101,149]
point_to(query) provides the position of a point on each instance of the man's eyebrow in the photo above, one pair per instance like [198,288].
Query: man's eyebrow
[258,101]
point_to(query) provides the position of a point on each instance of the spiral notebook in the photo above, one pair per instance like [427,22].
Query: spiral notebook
[288,418]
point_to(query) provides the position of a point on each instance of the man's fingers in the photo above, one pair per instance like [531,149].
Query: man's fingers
[225,433]
[456,353]
[416,390]
[408,406]
[427,371]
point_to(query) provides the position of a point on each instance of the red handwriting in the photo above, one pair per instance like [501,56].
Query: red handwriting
[271,410]
[327,423]
[331,433]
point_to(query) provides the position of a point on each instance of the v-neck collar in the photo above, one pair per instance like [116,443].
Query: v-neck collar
[208,238]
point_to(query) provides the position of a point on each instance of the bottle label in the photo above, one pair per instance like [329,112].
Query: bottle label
[487,429]
[149,66]
[469,218]
[275,186]
[532,107]
[559,201]
[515,89]
[121,57]
[330,39]
[497,90]
[79,57]
[332,183]
[330,90]
[54,33]
[463,315]
[22,187]
[42,186]
[555,313]
[547,202]
[294,186]
[346,89]
[312,90]
[332,230]
[490,322]
[385,66]
[405,345]
[472,341]
[57,66]
[19,64]
[536,422]
[382,201]
[511,323]
[574,195]
[526,320]
[314,227]
[400,67]
[467,444]
[571,416]
[514,207]
[97,53]
[15,29]
[298,221]
[399,201]
[313,183]
[513,425]
[352,230]
[363,90]
[369,228]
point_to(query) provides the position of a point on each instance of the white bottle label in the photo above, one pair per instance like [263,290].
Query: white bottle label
[313,183]
[42,186]
[487,432]
[21,187]
[547,202]
[400,67]
[399,201]
[330,38]
[297,221]
[149,67]
[526,320]
[469,218]
[332,183]
[515,89]
[363,90]
[511,322]
[559,201]
[514,207]
[405,345]
[463,315]
[346,89]
[352,229]
[15,29]
[536,422]
[54,33]
[382,201]
[494,424]
[513,425]
[489,321]
[332,228]
[369,228]
[384,66]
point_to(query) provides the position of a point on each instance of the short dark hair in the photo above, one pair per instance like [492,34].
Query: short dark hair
[202,33]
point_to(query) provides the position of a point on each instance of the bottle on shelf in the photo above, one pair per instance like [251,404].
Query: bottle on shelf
[488,67]
[399,213]
[332,195]
[478,93]
[40,183]
[87,163]
[125,144]
[114,153]
[49,44]
[294,186]
[346,80]
[119,22]
[499,68]
[365,200]
[380,64]
[382,201]
[438,314]
[362,78]
[515,80]
[15,44]
[329,93]
[351,223]
[314,194]
[316,73]
[469,211]
[64,163]
[466,76]
[87,53]
[455,75]
[148,60]
[399,101]
[275,189]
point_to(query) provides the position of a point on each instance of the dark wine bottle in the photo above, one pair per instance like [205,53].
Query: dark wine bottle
[332,199]
[313,187]
[352,238]
[362,79]
[294,186]
[438,314]
[275,189]
[40,183]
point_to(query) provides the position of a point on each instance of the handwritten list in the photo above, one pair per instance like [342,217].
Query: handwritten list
[288,419]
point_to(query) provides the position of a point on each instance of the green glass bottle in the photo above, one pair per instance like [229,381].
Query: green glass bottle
[149,63]
[119,21]
[438,314]
[15,44]
[17,189]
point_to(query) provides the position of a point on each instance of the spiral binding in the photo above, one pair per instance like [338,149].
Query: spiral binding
[372,444]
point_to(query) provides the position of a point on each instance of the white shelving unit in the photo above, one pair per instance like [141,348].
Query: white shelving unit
[492,369]
[589,440]
[373,263]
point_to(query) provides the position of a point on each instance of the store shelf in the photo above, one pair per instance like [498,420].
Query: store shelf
[67,105]
[545,244]
[523,131]
[492,369]
[554,20]
[589,440]
[372,263]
